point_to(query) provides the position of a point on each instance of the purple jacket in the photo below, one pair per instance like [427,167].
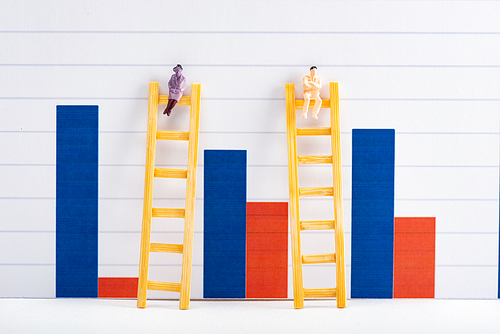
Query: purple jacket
[176,85]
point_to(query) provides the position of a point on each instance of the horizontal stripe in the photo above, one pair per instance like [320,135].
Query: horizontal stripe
[250,165]
[268,199]
[251,65]
[201,232]
[256,32]
[200,265]
[252,99]
[258,166]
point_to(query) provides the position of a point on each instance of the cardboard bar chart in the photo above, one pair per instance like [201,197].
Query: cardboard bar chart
[118,287]
[267,250]
[224,240]
[414,257]
[373,156]
[77,156]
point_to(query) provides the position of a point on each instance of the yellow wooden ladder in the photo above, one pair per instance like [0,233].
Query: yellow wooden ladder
[296,225]
[186,248]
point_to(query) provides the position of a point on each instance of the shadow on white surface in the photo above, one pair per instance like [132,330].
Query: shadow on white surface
[318,316]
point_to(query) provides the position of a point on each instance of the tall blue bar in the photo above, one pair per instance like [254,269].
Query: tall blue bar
[225,196]
[372,267]
[77,157]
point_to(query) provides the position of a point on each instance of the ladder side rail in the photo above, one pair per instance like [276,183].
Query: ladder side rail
[337,192]
[298,288]
[187,255]
[148,195]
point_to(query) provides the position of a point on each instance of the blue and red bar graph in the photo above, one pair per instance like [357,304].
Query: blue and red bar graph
[245,244]
[392,257]
[77,158]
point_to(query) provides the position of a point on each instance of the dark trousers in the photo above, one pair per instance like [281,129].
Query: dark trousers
[170,106]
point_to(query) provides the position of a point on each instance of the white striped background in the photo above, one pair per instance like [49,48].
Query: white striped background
[428,69]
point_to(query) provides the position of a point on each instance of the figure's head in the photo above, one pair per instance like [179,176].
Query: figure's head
[313,70]
[178,68]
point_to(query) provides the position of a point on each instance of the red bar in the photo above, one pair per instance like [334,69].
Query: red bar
[267,208]
[266,259]
[266,283]
[415,225]
[414,257]
[406,275]
[266,241]
[267,250]
[414,291]
[261,223]
[414,241]
[118,287]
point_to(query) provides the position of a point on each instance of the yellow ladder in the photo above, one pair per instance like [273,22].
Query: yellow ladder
[186,248]
[296,225]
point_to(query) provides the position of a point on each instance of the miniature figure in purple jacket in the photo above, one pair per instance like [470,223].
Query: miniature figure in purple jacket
[312,85]
[176,86]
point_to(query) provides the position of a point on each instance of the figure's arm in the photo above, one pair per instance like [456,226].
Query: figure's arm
[183,84]
[170,83]
[306,81]
[317,85]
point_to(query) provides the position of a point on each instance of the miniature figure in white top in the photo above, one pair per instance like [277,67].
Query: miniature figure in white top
[312,85]
[176,86]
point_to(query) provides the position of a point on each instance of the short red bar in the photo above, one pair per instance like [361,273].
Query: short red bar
[267,250]
[414,257]
[118,287]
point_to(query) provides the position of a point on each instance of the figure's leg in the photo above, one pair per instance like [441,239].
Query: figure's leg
[170,106]
[317,105]
[307,99]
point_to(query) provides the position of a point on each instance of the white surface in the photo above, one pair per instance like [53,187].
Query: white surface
[360,316]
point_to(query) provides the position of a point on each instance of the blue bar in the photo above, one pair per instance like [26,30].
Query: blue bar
[373,154]
[225,197]
[77,201]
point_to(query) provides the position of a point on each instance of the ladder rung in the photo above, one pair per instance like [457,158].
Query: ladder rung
[318,293]
[317,225]
[172,135]
[164,286]
[299,104]
[166,248]
[172,173]
[314,159]
[316,191]
[318,258]
[314,131]
[168,213]
[184,101]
